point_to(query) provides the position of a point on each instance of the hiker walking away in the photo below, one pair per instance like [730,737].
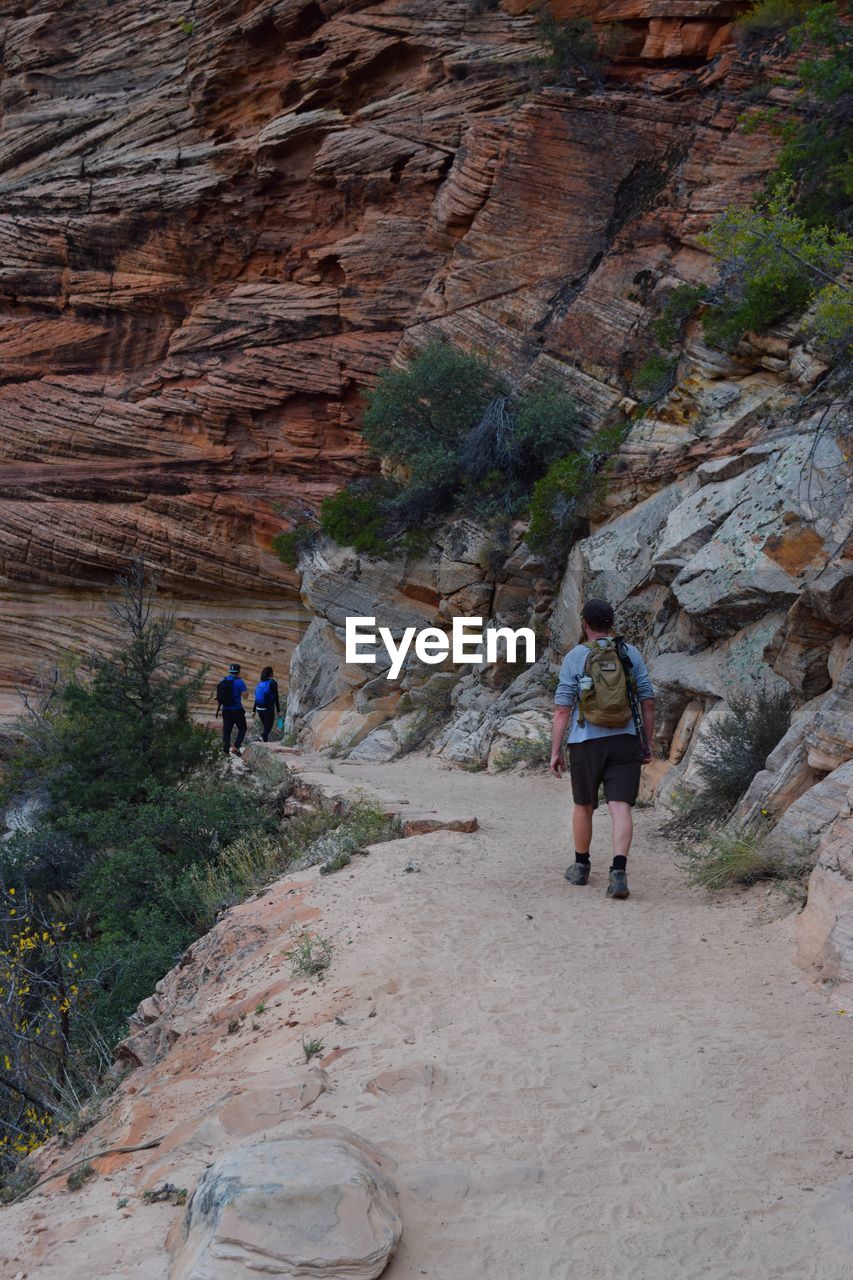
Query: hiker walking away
[607,697]
[229,700]
[266,702]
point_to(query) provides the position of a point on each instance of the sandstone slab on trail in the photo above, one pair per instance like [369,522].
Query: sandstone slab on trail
[317,1206]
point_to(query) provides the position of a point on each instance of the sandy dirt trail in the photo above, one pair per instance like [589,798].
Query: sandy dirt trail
[572,1088]
[640,1090]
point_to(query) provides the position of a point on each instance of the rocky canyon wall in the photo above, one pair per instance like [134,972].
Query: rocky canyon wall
[218,222]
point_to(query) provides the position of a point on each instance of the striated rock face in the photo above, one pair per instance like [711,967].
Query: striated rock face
[199,213]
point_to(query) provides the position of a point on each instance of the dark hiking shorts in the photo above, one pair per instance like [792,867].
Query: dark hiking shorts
[614,760]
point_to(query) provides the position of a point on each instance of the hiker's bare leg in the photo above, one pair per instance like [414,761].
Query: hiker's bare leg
[582,827]
[623,827]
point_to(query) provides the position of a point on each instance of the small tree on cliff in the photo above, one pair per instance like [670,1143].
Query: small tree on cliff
[122,725]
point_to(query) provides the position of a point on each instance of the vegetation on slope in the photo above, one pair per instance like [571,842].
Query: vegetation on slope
[140,838]
[454,438]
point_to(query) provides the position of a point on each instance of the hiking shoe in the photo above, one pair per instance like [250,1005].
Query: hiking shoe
[618,884]
[235,751]
[578,873]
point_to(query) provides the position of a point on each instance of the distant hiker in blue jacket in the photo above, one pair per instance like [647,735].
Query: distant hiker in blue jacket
[266,702]
[229,700]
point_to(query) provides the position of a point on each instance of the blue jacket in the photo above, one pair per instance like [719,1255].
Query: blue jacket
[236,704]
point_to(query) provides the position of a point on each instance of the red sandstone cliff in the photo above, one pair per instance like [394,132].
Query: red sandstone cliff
[218,223]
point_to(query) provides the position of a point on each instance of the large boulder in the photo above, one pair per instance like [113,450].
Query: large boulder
[291,1207]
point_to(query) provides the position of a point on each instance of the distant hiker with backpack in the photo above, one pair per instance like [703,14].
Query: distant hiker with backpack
[229,700]
[266,702]
[606,696]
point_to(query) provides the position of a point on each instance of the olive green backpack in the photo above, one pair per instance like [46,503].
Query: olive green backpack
[606,703]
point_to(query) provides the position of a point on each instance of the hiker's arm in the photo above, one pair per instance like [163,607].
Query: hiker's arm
[647,710]
[562,716]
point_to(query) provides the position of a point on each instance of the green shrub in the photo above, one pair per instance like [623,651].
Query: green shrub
[682,302]
[772,265]
[564,494]
[291,544]
[535,752]
[355,517]
[656,377]
[575,46]
[734,856]
[311,956]
[244,867]
[457,440]
[732,755]
[831,323]
[816,156]
[769,16]
[417,416]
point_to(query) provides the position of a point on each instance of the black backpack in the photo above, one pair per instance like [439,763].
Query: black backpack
[225,691]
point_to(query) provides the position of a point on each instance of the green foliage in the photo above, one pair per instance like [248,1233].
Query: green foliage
[336,862]
[417,416]
[535,752]
[816,156]
[769,16]
[311,956]
[290,544]
[655,377]
[355,517]
[575,46]
[457,440]
[831,321]
[123,725]
[733,856]
[79,1176]
[730,757]
[773,264]
[564,494]
[312,1048]
[682,302]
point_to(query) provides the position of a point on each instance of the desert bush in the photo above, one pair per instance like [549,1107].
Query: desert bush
[680,305]
[292,543]
[772,265]
[357,516]
[575,46]
[417,416]
[767,17]
[729,759]
[535,752]
[456,438]
[311,956]
[431,714]
[655,377]
[733,856]
[243,867]
[564,494]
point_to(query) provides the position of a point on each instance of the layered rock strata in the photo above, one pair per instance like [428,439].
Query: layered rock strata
[199,213]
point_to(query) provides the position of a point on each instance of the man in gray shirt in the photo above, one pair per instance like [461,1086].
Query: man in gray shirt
[599,754]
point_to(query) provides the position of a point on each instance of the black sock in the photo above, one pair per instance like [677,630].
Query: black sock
[619,863]
[581,857]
